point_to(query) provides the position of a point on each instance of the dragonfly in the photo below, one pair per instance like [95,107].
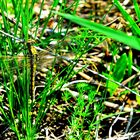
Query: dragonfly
[36,61]
[46,58]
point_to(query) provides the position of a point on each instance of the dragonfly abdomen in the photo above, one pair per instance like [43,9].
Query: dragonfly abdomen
[33,66]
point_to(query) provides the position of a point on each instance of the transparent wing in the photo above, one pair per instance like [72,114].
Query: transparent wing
[12,67]
[13,63]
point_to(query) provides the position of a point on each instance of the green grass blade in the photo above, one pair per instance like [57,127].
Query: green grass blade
[136,7]
[132,23]
[117,35]
[130,64]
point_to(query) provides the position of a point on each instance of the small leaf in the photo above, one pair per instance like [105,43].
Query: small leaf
[111,86]
[120,68]
[118,74]
[138,99]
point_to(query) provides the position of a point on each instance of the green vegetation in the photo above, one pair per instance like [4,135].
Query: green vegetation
[86,73]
